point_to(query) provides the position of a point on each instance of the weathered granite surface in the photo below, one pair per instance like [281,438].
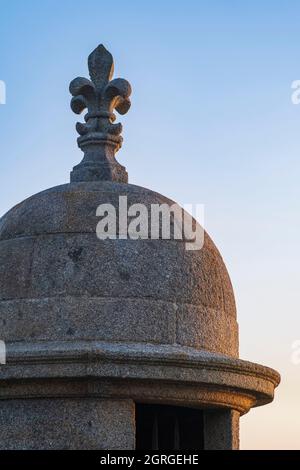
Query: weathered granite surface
[141,371]
[65,283]
[221,430]
[137,320]
[67,424]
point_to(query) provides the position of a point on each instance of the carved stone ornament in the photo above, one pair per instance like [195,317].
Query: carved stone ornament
[99,137]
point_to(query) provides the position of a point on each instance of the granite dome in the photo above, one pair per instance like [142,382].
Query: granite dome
[95,330]
[59,281]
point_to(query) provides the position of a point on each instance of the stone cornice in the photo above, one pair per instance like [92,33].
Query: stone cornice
[140,370]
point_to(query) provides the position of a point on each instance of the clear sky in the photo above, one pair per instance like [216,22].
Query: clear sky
[211,122]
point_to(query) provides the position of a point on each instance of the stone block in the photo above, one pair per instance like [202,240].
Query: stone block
[67,424]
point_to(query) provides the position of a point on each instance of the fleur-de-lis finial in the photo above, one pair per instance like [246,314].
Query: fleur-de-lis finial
[99,137]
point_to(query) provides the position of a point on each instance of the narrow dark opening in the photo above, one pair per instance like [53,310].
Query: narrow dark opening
[163,427]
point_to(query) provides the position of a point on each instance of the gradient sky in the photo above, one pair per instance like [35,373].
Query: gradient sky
[211,122]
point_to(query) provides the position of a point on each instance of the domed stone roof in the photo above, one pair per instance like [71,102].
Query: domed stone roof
[93,325]
[58,281]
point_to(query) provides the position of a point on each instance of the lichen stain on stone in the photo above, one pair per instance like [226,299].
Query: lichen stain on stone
[75,254]
[124,275]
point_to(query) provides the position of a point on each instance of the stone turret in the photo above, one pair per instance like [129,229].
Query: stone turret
[116,342]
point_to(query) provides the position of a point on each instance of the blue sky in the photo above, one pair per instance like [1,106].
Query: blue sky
[211,122]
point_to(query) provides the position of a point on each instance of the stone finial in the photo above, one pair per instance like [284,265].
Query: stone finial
[99,137]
